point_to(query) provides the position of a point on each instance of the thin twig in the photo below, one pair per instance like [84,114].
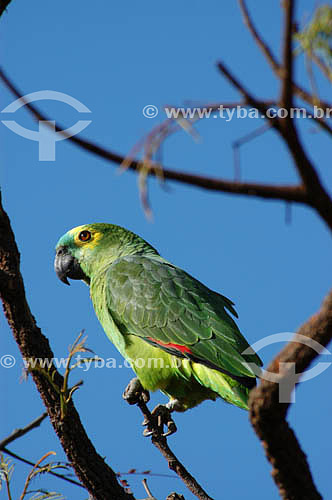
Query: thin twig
[322,66]
[175,496]
[315,194]
[248,97]
[29,477]
[257,37]
[242,140]
[20,432]
[147,489]
[160,442]
[146,473]
[275,65]
[323,123]
[28,462]
[8,488]
[314,87]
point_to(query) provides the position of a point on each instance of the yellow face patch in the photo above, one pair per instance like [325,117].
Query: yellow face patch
[92,242]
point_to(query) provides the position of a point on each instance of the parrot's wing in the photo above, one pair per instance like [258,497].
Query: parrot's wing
[150,298]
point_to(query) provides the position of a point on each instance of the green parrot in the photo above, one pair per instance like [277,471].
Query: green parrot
[176,333]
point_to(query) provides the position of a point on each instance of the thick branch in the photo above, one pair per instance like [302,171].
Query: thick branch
[3,6]
[90,467]
[290,468]
[317,196]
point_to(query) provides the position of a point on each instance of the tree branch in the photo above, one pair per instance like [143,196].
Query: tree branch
[286,100]
[290,471]
[258,39]
[322,66]
[174,463]
[97,477]
[28,462]
[17,433]
[20,432]
[266,191]
[3,6]
[317,197]
[313,191]
[275,65]
[249,99]
[322,123]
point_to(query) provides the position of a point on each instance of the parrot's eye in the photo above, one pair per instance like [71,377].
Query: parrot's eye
[84,236]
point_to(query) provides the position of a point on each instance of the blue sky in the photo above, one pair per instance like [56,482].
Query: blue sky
[116,58]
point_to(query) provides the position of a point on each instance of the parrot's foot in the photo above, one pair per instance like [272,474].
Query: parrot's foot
[161,417]
[134,392]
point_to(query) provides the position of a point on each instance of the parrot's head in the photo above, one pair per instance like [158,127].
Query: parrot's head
[87,250]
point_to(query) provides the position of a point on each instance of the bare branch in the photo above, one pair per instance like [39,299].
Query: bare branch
[31,473]
[20,432]
[249,99]
[28,462]
[322,66]
[147,489]
[311,99]
[317,196]
[258,39]
[3,6]
[242,140]
[98,478]
[291,471]
[321,122]
[275,65]
[287,77]
[174,463]
[313,191]
[276,192]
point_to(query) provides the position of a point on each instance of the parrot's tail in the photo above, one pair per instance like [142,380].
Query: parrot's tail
[229,389]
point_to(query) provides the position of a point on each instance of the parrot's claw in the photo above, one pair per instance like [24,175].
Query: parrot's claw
[161,416]
[145,421]
[134,392]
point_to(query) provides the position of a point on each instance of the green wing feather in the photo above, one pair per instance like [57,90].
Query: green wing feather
[151,298]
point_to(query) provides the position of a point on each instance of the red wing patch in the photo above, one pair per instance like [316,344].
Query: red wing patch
[177,347]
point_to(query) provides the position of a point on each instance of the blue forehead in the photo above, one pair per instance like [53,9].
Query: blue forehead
[65,240]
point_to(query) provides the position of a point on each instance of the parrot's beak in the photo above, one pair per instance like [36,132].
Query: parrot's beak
[66,266]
